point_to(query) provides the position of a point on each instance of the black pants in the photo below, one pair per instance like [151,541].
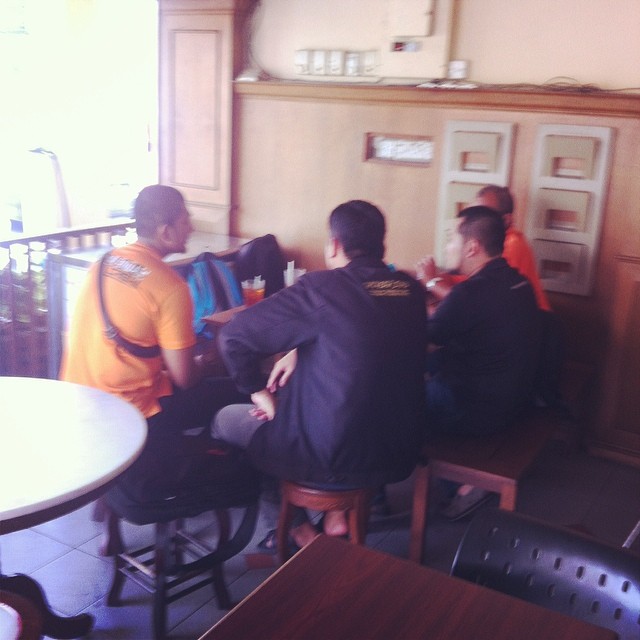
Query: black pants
[172,462]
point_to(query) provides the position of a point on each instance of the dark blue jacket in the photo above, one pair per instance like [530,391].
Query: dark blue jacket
[489,327]
[353,411]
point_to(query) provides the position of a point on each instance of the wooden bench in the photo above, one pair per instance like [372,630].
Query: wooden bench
[495,463]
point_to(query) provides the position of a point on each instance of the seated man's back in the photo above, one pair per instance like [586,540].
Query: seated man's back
[352,412]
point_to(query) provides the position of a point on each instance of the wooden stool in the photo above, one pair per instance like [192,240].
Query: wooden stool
[355,501]
[495,463]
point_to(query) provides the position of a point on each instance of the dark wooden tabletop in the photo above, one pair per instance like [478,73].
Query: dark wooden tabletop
[334,590]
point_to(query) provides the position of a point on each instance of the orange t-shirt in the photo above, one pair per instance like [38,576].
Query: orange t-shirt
[150,304]
[518,254]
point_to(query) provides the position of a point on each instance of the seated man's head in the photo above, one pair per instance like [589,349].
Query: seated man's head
[162,219]
[497,198]
[356,228]
[478,238]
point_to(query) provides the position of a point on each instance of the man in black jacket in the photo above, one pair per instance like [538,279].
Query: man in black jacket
[345,408]
[488,331]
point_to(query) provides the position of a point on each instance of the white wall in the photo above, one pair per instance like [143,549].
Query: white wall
[505,41]
[283,26]
[510,41]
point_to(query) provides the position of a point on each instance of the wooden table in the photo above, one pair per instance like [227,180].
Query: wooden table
[222,317]
[62,445]
[335,590]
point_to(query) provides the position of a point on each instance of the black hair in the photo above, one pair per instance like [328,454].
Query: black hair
[484,225]
[360,228]
[156,205]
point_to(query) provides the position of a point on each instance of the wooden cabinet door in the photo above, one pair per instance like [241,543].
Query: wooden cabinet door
[617,429]
[195,100]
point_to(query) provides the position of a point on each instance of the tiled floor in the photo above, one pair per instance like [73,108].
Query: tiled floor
[568,488]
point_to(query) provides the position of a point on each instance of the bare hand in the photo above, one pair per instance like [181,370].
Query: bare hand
[264,405]
[426,269]
[282,371]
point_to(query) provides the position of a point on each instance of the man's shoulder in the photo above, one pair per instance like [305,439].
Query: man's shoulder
[515,242]
[147,269]
[497,274]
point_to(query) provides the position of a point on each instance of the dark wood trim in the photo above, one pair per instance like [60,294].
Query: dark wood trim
[627,259]
[603,103]
[612,452]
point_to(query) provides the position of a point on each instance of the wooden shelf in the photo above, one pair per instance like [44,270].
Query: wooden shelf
[603,103]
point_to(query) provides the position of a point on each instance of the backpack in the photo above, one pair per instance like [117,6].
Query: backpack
[214,287]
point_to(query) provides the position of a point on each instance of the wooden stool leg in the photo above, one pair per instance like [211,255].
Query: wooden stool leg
[363,509]
[508,497]
[358,517]
[357,526]
[419,513]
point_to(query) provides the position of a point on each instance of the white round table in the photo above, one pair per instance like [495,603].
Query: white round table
[61,446]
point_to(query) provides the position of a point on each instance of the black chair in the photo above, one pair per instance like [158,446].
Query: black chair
[178,563]
[553,567]
[262,256]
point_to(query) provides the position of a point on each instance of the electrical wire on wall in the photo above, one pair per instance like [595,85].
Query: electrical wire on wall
[561,84]
[557,84]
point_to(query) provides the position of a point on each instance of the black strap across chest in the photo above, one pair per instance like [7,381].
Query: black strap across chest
[111,332]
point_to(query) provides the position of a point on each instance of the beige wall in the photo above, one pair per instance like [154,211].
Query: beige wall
[505,41]
[512,41]
[283,26]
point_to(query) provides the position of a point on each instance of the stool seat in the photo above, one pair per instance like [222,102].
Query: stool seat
[177,562]
[356,502]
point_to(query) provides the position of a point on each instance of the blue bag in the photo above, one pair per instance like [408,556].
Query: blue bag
[214,287]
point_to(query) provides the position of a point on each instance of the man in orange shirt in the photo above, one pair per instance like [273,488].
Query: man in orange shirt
[157,370]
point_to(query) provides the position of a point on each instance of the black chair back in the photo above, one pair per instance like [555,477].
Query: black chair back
[262,257]
[554,567]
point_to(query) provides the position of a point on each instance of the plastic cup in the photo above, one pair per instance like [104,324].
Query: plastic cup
[252,291]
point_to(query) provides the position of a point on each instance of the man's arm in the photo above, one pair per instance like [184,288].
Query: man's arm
[282,370]
[437,281]
[186,369]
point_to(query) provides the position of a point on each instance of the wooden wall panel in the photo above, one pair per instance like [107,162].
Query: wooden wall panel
[619,416]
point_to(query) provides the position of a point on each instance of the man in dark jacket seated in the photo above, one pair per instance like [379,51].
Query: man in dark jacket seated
[488,331]
[345,407]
